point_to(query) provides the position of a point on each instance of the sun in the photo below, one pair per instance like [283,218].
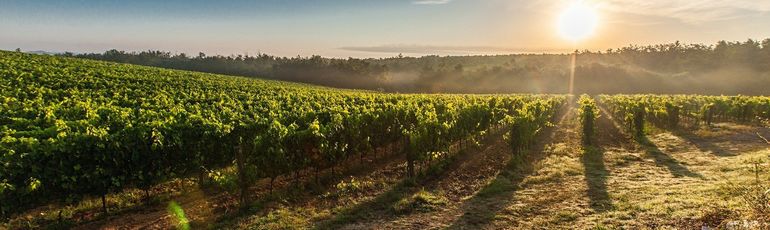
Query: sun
[577,22]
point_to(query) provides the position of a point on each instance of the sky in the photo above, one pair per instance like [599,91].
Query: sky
[366,28]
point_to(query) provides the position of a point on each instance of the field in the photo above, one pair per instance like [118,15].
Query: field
[91,145]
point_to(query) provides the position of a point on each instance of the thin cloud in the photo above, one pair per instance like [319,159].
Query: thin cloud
[690,11]
[431,2]
[427,49]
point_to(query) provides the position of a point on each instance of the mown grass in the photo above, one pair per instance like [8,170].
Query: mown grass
[658,184]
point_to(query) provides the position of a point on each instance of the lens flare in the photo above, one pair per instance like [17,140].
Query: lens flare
[178,213]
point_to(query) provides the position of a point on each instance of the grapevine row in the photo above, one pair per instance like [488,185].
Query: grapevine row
[73,128]
[670,111]
[589,112]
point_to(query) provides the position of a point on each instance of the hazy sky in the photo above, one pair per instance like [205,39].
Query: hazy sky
[365,28]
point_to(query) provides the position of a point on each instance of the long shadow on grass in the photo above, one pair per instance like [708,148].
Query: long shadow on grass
[381,207]
[674,166]
[294,193]
[369,209]
[596,178]
[609,135]
[703,145]
[652,150]
[480,210]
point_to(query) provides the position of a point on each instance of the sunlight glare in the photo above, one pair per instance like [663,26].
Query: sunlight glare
[577,22]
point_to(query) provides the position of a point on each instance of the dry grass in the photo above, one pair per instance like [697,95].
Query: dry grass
[673,180]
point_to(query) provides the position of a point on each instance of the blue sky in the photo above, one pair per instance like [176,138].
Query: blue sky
[365,28]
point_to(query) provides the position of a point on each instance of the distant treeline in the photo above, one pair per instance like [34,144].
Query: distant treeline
[722,68]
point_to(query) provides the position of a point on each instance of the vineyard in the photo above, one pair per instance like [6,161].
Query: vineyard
[671,112]
[74,130]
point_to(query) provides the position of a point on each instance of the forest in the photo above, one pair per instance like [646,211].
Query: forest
[673,68]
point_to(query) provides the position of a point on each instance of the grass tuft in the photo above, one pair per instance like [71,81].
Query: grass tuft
[422,201]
